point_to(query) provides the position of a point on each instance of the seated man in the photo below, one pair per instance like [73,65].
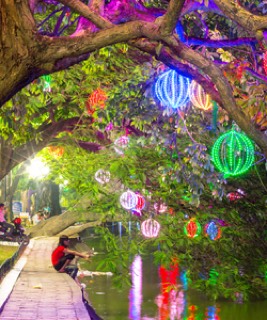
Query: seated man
[9,228]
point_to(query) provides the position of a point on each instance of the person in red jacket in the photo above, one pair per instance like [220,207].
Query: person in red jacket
[62,257]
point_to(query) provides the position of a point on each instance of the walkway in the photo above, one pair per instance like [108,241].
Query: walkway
[33,290]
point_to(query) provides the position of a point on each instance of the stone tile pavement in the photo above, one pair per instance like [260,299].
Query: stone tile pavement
[34,290]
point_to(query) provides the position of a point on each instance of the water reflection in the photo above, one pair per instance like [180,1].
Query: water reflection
[158,293]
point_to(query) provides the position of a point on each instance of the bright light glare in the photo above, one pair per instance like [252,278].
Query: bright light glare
[37,169]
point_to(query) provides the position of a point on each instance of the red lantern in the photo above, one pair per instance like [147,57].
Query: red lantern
[150,228]
[140,202]
[192,228]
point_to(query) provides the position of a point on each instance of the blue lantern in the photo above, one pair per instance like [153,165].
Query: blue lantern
[172,89]
[212,231]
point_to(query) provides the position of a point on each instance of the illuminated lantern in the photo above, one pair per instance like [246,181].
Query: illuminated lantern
[160,207]
[150,228]
[265,61]
[233,196]
[233,153]
[102,176]
[192,228]
[140,202]
[136,212]
[121,143]
[213,277]
[212,231]
[55,151]
[47,82]
[128,200]
[172,89]
[199,98]
[97,98]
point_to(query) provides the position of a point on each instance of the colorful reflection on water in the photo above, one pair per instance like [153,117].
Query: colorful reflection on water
[160,294]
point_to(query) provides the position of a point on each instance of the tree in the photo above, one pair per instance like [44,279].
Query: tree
[35,49]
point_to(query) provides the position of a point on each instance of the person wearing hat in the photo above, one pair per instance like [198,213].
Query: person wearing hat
[62,257]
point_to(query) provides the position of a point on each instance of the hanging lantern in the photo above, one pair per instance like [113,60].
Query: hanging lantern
[136,212]
[265,61]
[56,151]
[160,207]
[121,143]
[212,231]
[97,98]
[128,200]
[233,196]
[140,202]
[102,176]
[172,89]
[47,82]
[192,228]
[150,228]
[233,153]
[199,98]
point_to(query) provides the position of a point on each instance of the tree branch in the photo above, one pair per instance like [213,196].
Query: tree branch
[233,10]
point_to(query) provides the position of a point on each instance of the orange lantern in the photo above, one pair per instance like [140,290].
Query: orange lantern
[96,99]
[56,151]
[199,98]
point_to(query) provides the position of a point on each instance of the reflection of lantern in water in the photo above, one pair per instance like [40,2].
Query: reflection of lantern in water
[192,228]
[102,176]
[212,313]
[212,231]
[233,153]
[150,228]
[172,89]
[135,295]
[198,97]
[128,200]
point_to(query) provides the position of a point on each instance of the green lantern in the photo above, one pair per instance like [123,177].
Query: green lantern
[233,153]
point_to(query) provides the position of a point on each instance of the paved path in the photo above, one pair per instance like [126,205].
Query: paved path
[39,292]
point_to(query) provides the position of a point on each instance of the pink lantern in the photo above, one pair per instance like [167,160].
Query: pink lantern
[160,207]
[128,200]
[199,98]
[121,143]
[150,228]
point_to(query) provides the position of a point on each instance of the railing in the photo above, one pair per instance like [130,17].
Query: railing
[7,265]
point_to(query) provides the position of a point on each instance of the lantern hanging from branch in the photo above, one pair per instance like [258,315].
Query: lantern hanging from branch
[140,202]
[128,200]
[192,228]
[150,228]
[120,144]
[172,89]
[47,82]
[102,176]
[233,153]
[56,151]
[160,207]
[212,231]
[199,98]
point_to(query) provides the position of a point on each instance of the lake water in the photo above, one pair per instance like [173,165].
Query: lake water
[147,300]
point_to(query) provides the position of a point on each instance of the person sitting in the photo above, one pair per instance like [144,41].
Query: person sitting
[62,257]
[9,228]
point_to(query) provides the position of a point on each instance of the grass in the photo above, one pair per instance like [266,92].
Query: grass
[7,252]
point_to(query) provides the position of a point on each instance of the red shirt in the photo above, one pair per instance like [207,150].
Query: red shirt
[57,254]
